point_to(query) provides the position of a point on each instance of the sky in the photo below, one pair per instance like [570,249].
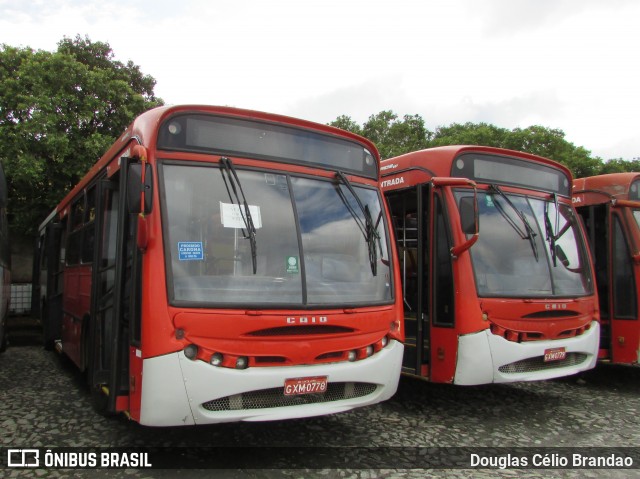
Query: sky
[566,64]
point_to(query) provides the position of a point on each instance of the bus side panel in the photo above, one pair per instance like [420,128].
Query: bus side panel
[444,352]
[624,341]
[76,304]
[135,382]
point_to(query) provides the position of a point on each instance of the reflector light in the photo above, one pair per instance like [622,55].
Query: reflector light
[191,351]
[242,362]
[216,359]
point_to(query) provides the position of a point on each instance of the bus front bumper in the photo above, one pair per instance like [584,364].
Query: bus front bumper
[485,358]
[177,391]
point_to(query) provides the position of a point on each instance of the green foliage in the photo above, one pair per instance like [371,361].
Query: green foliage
[394,137]
[345,122]
[618,165]
[59,112]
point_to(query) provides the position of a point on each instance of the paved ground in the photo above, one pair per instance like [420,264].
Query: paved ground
[44,403]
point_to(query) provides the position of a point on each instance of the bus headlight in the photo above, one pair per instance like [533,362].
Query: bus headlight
[369,351]
[353,355]
[242,362]
[384,341]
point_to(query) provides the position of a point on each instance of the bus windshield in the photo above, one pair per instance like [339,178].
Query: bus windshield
[308,248]
[527,248]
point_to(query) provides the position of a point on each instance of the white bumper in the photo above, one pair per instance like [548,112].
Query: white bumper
[174,388]
[480,355]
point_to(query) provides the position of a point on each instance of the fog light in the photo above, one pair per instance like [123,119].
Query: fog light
[242,362]
[191,351]
[353,355]
[369,351]
[384,341]
[216,359]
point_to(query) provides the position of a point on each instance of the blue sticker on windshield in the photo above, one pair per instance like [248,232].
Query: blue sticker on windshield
[190,251]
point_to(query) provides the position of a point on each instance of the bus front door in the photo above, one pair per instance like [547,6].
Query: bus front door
[443,337]
[410,225]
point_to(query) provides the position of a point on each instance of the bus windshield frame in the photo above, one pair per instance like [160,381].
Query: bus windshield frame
[223,135]
[310,252]
[546,256]
[506,170]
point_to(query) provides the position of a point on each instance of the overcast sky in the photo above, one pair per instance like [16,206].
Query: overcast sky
[567,64]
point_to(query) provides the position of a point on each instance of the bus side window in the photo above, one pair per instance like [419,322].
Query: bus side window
[624,298]
[89,230]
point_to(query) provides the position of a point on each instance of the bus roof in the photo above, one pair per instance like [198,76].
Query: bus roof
[614,185]
[144,130]
[438,160]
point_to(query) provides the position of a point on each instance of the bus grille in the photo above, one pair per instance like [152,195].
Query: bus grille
[538,364]
[274,397]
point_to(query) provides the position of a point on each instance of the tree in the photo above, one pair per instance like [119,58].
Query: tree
[618,165]
[59,112]
[392,136]
[345,122]
[470,134]
[538,140]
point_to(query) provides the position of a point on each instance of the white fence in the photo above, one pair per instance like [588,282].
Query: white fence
[20,299]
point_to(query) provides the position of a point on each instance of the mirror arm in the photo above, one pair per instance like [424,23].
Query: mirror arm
[456,251]
[142,235]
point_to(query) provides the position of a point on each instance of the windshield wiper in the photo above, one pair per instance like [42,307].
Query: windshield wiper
[528,233]
[368,229]
[551,237]
[233,180]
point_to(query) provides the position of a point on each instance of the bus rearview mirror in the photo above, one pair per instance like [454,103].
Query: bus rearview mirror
[135,188]
[468,215]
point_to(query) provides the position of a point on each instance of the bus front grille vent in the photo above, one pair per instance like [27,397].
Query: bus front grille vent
[303,330]
[538,364]
[275,397]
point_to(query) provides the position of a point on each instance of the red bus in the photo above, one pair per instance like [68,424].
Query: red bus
[609,206]
[220,265]
[496,275]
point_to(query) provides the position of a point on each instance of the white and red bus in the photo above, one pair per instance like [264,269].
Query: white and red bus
[496,276]
[609,206]
[220,265]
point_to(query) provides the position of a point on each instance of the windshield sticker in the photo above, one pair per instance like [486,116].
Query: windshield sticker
[292,264]
[190,251]
[232,216]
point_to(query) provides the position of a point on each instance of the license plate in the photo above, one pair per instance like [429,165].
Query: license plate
[556,354]
[298,386]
